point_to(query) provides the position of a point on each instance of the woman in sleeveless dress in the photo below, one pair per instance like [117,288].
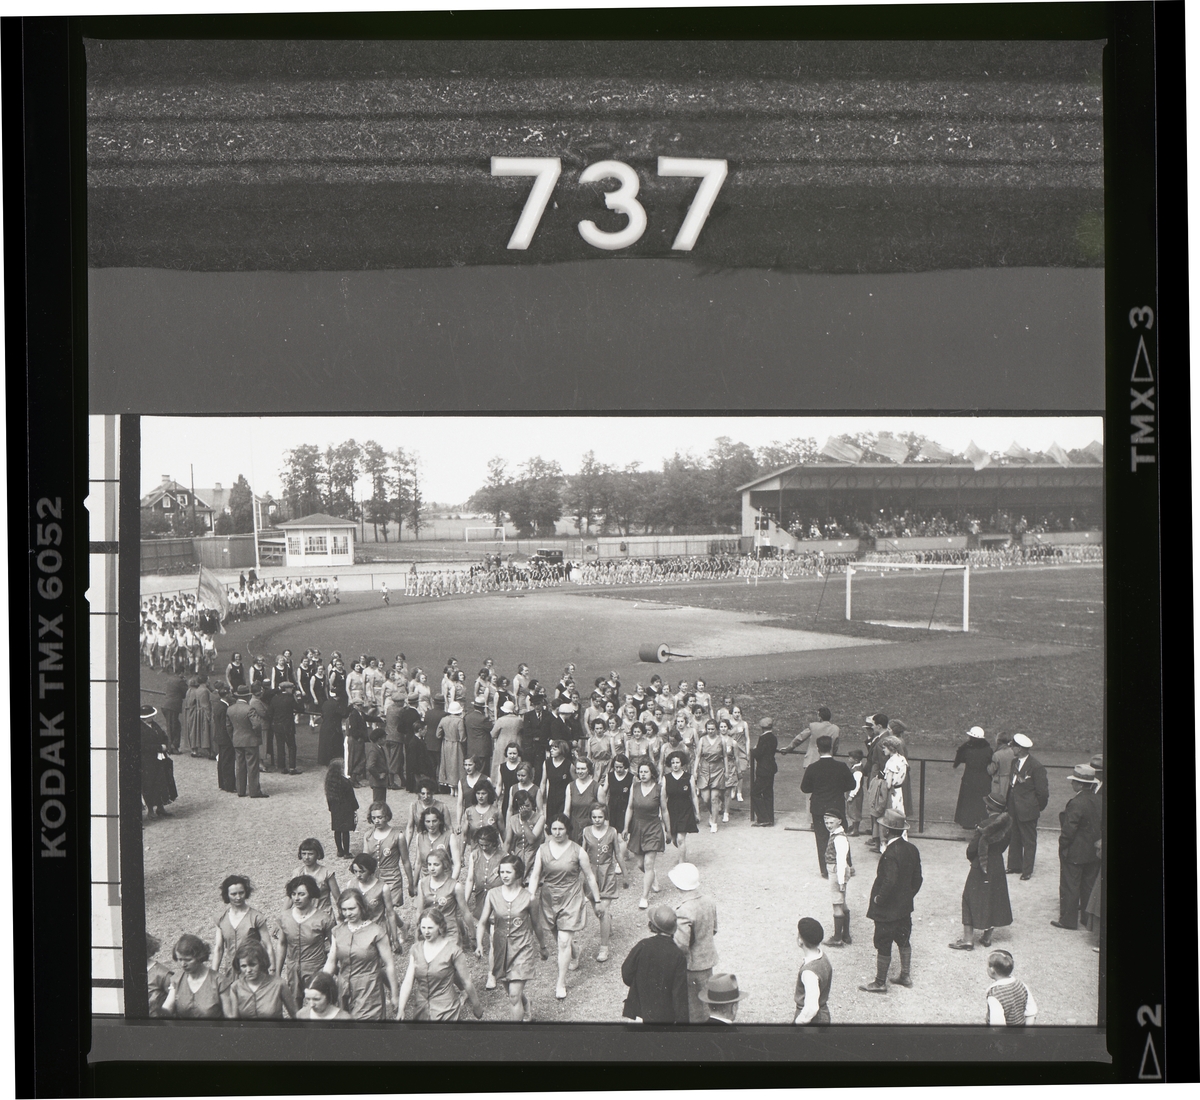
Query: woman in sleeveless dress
[524,833]
[239,923]
[255,993]
[599,747]
[555,780]
[506,775]
[472,774]
[681,804]
[321,1000]
[508,907]
[583,792]
[732,773]
[561,868]
[638,746]
[482,813]
[194,992]
[305,931]
[711,761]
[387,844]
[602,844]
[310,854]
[739,730]
[644,833]
[483,872]
[438,889]
[362,958]
[432,836]
[376,898]
[437,981]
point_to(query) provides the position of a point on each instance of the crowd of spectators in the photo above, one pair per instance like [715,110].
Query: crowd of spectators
[994,558]
[914,524]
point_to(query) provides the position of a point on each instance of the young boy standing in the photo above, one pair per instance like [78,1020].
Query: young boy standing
[1009,1002]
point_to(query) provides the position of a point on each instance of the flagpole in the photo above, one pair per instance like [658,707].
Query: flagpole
[253,503]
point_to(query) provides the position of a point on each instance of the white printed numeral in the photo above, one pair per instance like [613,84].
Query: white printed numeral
[623,200]
[547,170]
[713,173]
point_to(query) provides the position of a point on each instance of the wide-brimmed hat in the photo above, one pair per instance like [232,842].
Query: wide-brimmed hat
[893,819]
[1083,773]
[454,707]
[993,803]
[722,989]
[1023,741]
[1097,762]
[685,876]
[976,731]
[147,712]
[242,692]
[507,707]
[566,708]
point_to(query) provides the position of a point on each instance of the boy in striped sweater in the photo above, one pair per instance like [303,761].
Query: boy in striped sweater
[1009,1002]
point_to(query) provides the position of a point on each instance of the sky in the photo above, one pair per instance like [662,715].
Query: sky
[454,450]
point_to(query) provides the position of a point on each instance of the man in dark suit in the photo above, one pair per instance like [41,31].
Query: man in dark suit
[1077,860]
[1028,796]
[656,973]
[247,738]
[537,730]
[762,789]
[897,880]
[826,780]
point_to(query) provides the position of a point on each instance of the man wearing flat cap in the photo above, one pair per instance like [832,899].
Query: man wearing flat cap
[1028,796]
[656,973]
[897,880]
[1077,860]
[762,789]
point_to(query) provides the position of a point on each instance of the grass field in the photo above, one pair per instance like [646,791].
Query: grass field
[1032,662]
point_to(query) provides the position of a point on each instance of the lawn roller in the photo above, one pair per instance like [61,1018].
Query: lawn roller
[657,654]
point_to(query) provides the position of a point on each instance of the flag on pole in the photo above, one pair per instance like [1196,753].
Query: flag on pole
[843,452]
[890,447]
[1019,452]
[1095,450]
[1058,454]
[933,452]
[213,592]
[977,456]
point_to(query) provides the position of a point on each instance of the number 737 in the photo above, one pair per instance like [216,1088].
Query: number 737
[623,200]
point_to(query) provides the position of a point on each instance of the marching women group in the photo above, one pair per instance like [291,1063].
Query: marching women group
[532,807]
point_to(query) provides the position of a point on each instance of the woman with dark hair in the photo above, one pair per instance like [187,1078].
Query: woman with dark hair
[508,772]
[620,782]
[976,754]
[680,804]
[603,847]
[426,800]
[483,872]
[240,922]
[256,994]
[644,833]
[583,792]
[310,854]
[376,897]
[437,980]
[985,901]
[556,778]
[321,1000]
[432,836]
[386,843]
[440,889]
[525,829]
[362,955]
[526,785]
[473,772]
[739,732]
[343,807]
[712,761]
[195,992]
[508,908]
[562,868]
[600,748]
[483,814]
[305,929]
[638,745]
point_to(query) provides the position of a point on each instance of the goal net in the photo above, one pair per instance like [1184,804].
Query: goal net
[483,534]
[900,594]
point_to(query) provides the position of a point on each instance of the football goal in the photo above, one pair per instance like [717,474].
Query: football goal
[906,594]
[483,534]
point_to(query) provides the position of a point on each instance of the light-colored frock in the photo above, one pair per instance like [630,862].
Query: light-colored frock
[561,889]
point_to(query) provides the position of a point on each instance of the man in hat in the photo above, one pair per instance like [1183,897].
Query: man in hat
[247,738]
[875,728]
[412,726]
[537,728]
[1000,767]
[762,788]
[695,927]
[1077,859]
[478,729]
[285,704]
[826,782]
[157,770]
[721,997]
[506,730]
[355,734]
[1097,763]
[897,880]
[223,738]
[1028,796]
[656,972]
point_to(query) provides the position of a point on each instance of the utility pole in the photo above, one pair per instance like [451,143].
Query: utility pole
[192,468]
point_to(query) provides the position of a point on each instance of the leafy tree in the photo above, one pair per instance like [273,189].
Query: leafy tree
[183,527]
[241,507]
[376,464]
[416,503]
[587,491]
[223,525]
[401,480]
[492,497]
[302,481]
[728,465]
[154,523]
[778,454]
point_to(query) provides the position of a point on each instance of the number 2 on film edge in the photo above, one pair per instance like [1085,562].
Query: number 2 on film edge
[712,173]
[546,170]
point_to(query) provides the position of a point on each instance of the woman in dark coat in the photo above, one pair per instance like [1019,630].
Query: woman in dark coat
[330,743]
[223,740]
[343,807]
[985,897]
[158,784]
[976,754]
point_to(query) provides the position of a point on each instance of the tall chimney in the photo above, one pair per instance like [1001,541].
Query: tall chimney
[166,479]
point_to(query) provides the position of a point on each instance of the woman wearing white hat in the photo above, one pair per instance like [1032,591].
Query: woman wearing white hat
[453,735]
[976,754]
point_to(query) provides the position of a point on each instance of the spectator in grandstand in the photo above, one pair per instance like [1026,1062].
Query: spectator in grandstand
[974,755]
[826,783]
[1028,796]
[762,789]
